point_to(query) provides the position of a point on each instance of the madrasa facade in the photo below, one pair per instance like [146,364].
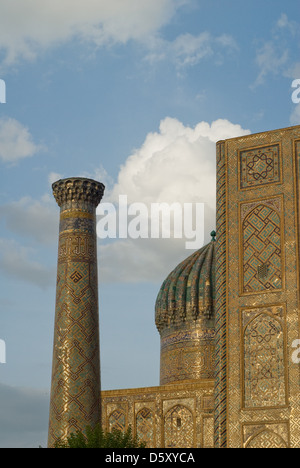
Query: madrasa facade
[228,316]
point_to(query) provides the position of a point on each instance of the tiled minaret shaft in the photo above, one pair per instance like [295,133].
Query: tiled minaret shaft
[75,389]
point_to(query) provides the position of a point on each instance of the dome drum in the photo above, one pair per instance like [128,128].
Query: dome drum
[187,353]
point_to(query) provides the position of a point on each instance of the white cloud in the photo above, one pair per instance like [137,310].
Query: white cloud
[16,142]
[135,261]
[188,50]
[285,23]
[293,71]
[18,261]
[34,225]
[26,28]
[101,175]
[176,164]
[274,56]
[36,219]
[270,60]
[54,177]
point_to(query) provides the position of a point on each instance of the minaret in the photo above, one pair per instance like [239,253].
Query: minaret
[75,390]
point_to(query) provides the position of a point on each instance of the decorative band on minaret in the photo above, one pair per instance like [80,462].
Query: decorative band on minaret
[75,390]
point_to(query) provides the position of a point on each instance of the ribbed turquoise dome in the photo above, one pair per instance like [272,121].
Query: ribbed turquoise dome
[188,293]
[184,316]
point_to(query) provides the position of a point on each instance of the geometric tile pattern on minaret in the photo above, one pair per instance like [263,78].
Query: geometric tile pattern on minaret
[75,388]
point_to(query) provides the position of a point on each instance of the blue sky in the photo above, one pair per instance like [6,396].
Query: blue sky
[134,93]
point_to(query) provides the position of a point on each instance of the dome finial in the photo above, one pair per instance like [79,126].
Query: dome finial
[213,236]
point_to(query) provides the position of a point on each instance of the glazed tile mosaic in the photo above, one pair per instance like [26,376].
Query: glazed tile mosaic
[260,166]
[257,384]
[184,316]
[171,416]
[75,392]
[227,316]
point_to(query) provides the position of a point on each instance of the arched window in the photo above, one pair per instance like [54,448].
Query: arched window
[266,439]
[179,428]
[117,421]
[264,363]
[145,426]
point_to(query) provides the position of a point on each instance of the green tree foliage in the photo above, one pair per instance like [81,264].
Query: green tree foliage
[97,438]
